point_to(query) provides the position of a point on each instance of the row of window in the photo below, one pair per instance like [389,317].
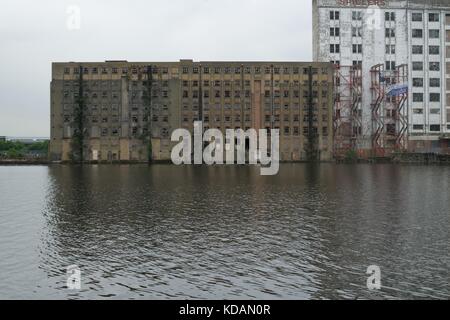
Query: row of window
[434,97]
[432,50]
[286,131]
[249,70]
[156,108]
[389,33]
[434,82]
[418,17]
[432,111]
[390,49]
[419,66]
[267,107]
[134,131]
[197,70]
[237,118]
[433,127]
[388,16]
[267,94]
[432,33]
[247,83]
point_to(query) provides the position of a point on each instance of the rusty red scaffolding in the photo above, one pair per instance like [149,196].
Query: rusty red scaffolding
[347,114]
[389,90]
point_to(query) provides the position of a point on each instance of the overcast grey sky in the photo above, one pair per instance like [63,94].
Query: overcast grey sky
[34,33]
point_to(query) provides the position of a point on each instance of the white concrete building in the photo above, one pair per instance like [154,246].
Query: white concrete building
[392,33]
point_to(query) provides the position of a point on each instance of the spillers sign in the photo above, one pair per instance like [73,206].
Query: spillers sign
[361,3]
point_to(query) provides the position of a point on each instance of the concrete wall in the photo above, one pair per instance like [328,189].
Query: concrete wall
[374,44]
[117,116]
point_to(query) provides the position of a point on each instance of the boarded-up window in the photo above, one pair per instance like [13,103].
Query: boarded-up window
[448,99]
[448,35]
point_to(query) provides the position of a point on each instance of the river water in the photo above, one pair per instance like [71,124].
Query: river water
[166,232]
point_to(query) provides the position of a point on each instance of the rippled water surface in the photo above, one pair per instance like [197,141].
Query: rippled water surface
[165,232]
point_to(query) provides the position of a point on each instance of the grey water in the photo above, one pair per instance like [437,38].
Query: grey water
[166,232]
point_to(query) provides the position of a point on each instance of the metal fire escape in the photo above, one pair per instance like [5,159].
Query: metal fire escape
[347,115]
[389,110]
[401,105]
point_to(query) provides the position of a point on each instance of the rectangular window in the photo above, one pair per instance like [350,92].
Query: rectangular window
[435,97]
[417,49]
[390,65]
[357,15]
[417,33]
[435,111]
[390,33]
[433,17]
[418,127]
[435,82]
[334,15]
[435,66]
[390,49]
[356,32]
[390,16]
[334,32]
[434,34]
[418,82]
[417,17]
[357,48]
[335,48]
[417,97]
[417,66]
[435,128]
[434,50]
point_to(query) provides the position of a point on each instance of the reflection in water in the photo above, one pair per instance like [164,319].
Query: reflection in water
[227,232]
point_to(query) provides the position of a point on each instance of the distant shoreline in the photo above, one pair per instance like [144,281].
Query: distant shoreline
[419,159]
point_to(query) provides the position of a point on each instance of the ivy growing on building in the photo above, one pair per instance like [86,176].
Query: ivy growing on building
[77,154]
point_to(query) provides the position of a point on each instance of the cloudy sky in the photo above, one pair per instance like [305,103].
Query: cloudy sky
[35,33]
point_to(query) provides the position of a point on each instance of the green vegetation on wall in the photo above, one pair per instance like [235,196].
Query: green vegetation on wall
[78,124]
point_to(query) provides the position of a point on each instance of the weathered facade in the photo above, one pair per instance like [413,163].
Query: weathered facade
[125,111]
[380,36]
